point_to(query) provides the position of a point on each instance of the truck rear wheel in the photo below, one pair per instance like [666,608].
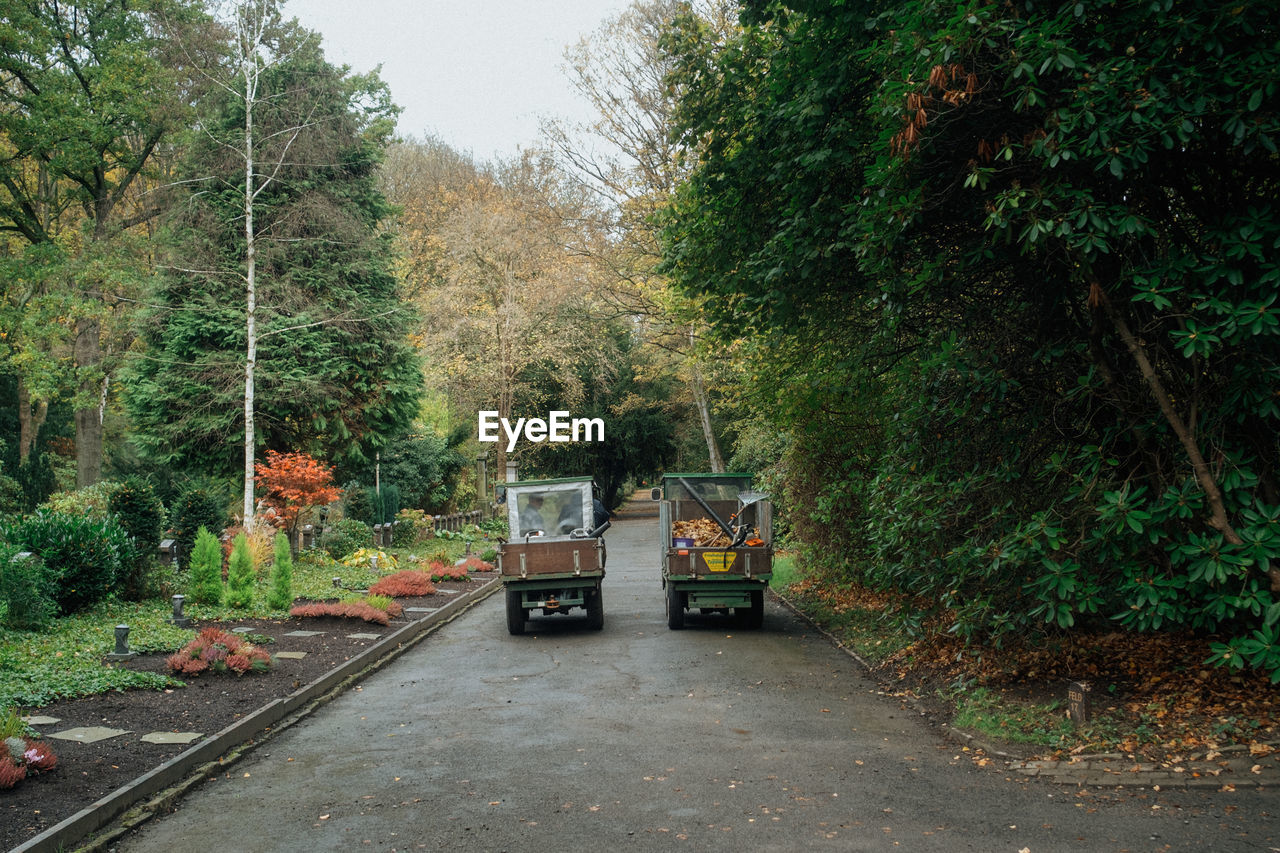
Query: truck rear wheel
[675,608]
[515,612]
[595,611]
[755,614]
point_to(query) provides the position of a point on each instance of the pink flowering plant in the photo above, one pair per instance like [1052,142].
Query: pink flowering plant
[23,757]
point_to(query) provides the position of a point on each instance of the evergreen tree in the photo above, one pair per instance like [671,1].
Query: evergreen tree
[206,569]
[281,595]
[334,373]
[240,574]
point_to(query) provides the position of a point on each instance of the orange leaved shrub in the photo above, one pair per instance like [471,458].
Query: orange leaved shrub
[215,650]
[406,584]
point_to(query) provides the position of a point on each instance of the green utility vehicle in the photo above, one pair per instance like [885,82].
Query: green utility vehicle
[717,546]
[553,559]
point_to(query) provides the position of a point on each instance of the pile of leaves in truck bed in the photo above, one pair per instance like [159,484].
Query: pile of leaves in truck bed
[1158,696]
[704,532]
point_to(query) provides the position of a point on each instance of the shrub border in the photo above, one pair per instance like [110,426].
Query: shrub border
[175,777]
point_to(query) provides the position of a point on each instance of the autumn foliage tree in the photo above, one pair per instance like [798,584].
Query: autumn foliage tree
[294,483]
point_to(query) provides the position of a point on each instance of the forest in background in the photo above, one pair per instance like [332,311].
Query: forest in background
[985,294]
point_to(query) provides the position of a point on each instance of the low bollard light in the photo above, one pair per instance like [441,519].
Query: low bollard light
[122,645]
[179,618]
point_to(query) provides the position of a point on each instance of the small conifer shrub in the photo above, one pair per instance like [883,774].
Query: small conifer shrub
[240,574]
[281,594]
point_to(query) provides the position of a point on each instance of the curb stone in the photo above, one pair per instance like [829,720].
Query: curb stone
[163,785]
[1220,769]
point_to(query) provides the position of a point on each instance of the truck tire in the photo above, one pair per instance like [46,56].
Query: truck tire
[675,608]
[595,611]
[755,614]
[515,612]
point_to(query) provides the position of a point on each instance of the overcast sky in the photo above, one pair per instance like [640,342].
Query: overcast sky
[476,73]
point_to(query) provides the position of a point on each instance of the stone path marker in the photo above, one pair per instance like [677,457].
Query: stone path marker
[421,609]
[291,655]
[363,636]
[41,721]
[171,737]
[243,629]
[305,633]
[89,734]
[448,591]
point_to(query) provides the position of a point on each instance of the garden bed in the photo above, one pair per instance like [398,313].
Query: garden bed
[207,704]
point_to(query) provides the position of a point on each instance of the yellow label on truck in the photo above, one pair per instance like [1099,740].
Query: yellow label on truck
[719,561]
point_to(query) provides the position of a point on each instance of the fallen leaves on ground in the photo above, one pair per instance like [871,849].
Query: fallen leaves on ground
[1158,697]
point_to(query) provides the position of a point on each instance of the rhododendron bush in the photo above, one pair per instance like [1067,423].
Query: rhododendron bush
[215,650]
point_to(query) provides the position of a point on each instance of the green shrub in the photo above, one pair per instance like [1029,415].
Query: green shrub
[91,501]
[389,504]
[345,537]
[84,556]
[11,497]
[139,512]
[196,506]
[281,595]
[26,591]
[358,504]
[240,574]
[206,569]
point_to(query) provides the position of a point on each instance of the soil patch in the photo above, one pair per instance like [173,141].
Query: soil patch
[207,704]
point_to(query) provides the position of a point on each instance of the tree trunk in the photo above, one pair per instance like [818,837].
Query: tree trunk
[29,421]
[88,417]
[696,385]
[251,331]
[1204,477]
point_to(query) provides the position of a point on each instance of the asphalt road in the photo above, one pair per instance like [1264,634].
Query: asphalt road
[707,739]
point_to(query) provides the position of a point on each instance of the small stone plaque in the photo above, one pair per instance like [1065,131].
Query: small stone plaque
[243,629]
[41,721]
[363,636]
[1078,694]
[89,734]
[448,591]
[171,737]
[291,655]
[421,609]
[305,633]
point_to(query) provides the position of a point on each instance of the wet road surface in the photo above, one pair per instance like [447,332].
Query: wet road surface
[709,739]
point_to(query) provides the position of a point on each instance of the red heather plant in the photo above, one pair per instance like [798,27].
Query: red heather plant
[10,773]
[218,651]
[475,564]
[21,757]
[440,572]
[406,584]
[348,610]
